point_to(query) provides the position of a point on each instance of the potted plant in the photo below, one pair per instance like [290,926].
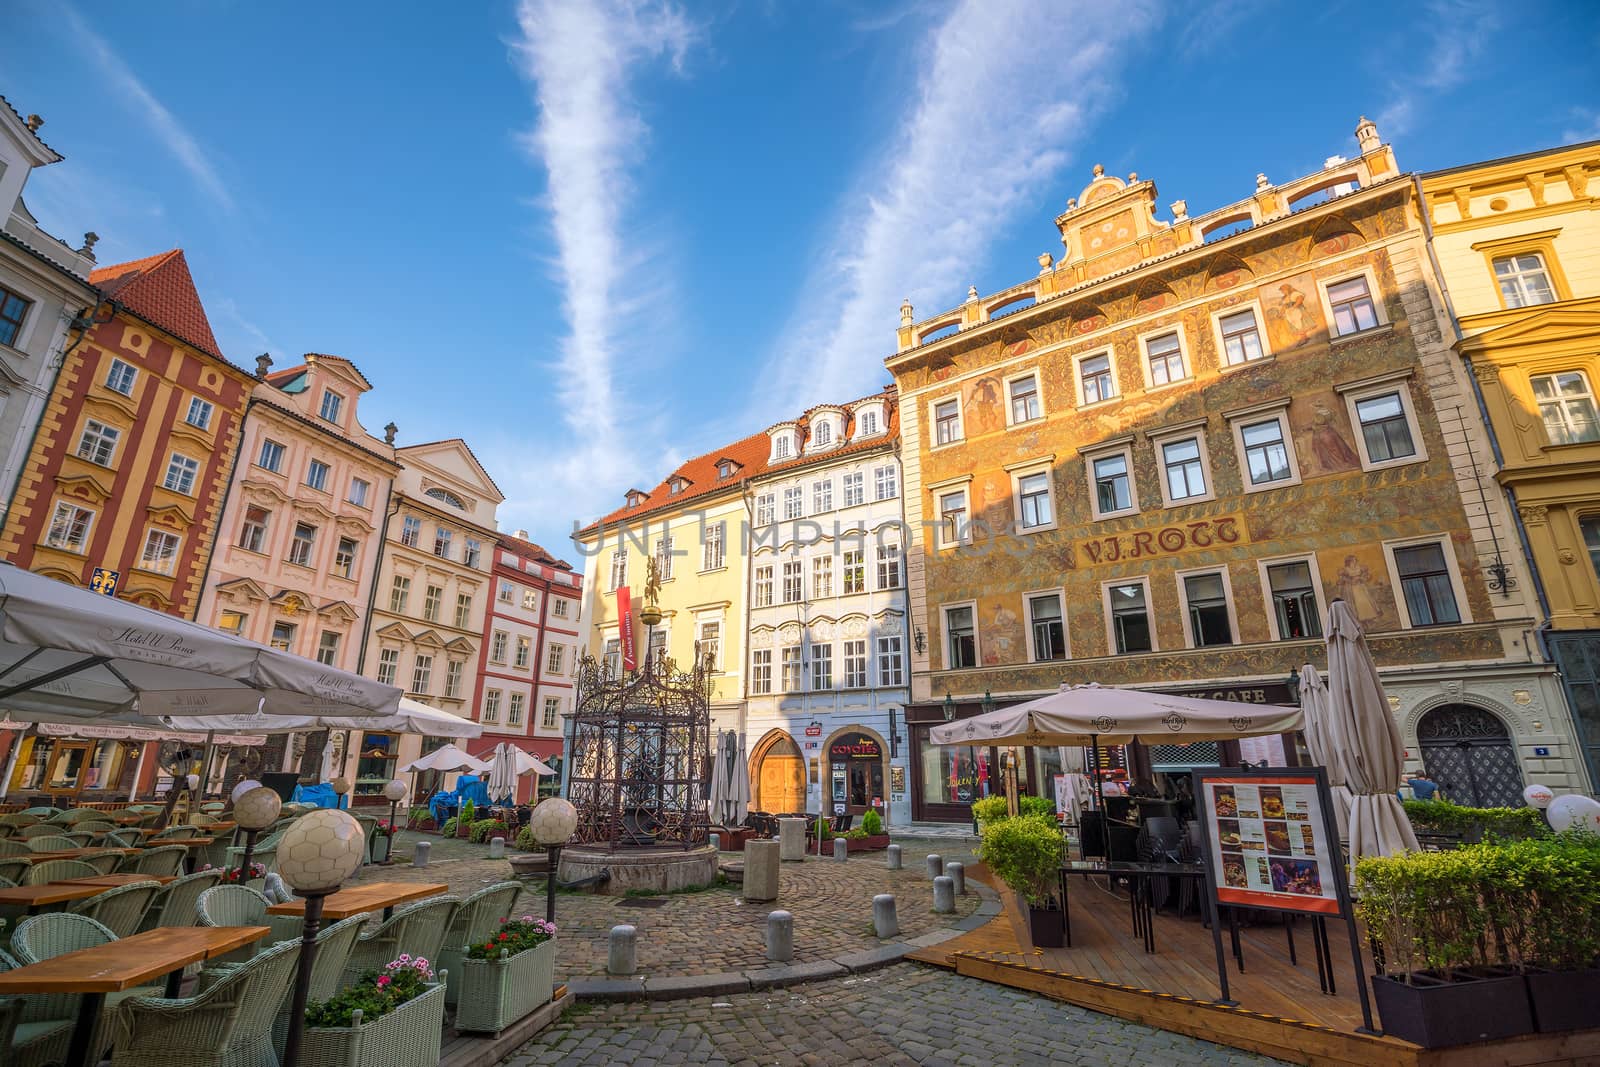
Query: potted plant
[1025,853]
[507,976]
[867,837]
[382,842]
[389,1018]
[1562,911]
[420,818]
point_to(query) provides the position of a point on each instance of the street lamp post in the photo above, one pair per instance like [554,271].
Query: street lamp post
[341,788]
[253,812]
[318,852]
[394,792]
[553,823]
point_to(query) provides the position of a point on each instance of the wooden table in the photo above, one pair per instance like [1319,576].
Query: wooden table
[111,881]
[126,819]
[34,897]
[124,964]
[190,843]
[72,854]
[358,900]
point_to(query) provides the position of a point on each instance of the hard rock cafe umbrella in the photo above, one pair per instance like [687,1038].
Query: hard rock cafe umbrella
[71,655]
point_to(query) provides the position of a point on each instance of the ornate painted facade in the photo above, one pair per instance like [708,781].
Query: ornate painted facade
[1157,462]
[1517,242]
[828,627]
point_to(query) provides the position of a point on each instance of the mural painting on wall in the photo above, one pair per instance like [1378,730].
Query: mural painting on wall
[1318,422]
[1293,311]
[1001,637]
[1358,581]
[980,406]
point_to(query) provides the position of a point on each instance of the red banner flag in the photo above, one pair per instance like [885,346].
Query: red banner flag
[625,613]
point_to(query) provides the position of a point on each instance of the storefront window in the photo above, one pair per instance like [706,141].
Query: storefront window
[30,775]
[375,769]
[855,773]
[954,774]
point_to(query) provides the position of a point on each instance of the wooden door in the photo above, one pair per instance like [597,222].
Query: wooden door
[781,785]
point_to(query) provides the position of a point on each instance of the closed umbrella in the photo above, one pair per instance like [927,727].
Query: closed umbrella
[502,781]
[738,802]
[1314,702]
[1075,784]
[1362,731]
[718,795]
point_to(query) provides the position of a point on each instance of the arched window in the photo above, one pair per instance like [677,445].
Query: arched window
[447,497]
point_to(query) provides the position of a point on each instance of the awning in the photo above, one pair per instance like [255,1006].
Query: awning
[411,717]
[134,733]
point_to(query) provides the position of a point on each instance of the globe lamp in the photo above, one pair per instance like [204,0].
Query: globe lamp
[552,824]
[318,852]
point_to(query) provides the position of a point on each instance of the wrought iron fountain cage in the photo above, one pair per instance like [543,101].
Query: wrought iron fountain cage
[640,755]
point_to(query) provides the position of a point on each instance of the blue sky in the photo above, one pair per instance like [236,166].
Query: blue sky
[595,238]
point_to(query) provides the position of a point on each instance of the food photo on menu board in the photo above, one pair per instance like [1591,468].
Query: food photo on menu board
[1268,843]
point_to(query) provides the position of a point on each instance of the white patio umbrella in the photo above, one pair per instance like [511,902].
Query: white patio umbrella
[68,654]
[1314,702]
[446,758]
[718,794]
[522,763]
[411,717]
[1364,734]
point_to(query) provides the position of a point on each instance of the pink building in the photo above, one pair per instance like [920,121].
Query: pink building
[297,547]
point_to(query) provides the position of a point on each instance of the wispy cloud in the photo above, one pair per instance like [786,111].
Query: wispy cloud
[238,335]
[1462,29]
[1585,125]
[1007,89]
[581,59]
[168,130]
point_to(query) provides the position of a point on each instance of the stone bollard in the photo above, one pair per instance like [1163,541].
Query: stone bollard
[780,937]
[935,865]
[760,870]
[715,841]
[497,848]
[419,853]
[894,857]
[884,921]
[957,873]
[792,840]
[622,950]
[944,894]
[841,849]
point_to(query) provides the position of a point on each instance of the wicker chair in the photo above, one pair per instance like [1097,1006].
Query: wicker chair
[93,826]
[40,812]
[265,852]
[229,1024]
[239,905]
[334,944]
[418,929]
[50,843]
[176,833]
[119,910]
[122,839]
[175,904]
[10,849]
[40,829]
[6,883]
[43,937]
[165,861]
[369,827]
[474,921]
[80,838]
[57,870]
[105,862]
[28,1036]
[14,870]
[18,819]
[77,815]
[202,820]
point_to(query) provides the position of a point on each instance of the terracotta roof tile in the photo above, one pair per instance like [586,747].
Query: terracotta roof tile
[751,453]
[161,290]
[531,551]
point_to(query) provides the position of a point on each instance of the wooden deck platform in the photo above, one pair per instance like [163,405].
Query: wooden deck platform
[1281,1010]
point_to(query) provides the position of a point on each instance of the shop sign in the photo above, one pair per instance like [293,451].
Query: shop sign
[897,779]
[866,748]
[1269,843]
[104,581]
[1166,541]
[813,731]
[1264,693]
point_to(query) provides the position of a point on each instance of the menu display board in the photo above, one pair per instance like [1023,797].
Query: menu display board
[1269,842]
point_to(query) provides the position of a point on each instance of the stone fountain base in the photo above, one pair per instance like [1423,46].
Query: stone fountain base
[656,870]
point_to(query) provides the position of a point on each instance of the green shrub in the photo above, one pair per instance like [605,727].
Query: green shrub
[449,827]
[512,937]
[525,840]
[480,831]
[1037,806]
[469,813]
[989,809]
[872,823]
[420,814]
[859,833]
[1511,904]
[1443,817]
[1025,853]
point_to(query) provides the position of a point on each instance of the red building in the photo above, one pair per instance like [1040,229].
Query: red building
[530,649]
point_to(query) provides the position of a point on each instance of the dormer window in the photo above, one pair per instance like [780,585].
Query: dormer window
[332,405]
[677,485]
[823,434]
[780,448]
[725,469]
[635,497]
[869,422]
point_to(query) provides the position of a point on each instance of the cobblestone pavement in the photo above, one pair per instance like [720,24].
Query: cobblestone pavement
[905,1014]
[714,931]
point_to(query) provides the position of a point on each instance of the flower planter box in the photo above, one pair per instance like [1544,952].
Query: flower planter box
[874,843]
[1564,1000]
[382,848]
[409,1036]
[1437,1012]
[496,993]
[1047,927]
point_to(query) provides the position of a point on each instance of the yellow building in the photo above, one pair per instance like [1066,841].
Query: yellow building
[696,523]
[1517,246]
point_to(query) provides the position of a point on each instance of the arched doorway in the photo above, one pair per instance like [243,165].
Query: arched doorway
[855,773]
[779,775]
[1468,751]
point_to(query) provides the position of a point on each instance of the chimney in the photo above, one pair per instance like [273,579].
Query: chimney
[522,535]
[263,364]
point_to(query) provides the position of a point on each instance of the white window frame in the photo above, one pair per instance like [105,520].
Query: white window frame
[619,567]
[859,566]
[388,665]
[715,664]
[1110,625]
[1367,388]
[1196,429]
[295,541]
[359,499]
[206,410]
[713,549]
[327,472]
[337,399]
[154,567]
[522,656]
[463,610]
[862,429]
[453,669]
[1588,394]
[763,588]
[664,556]
[897,658]
[1227,596]
[859,478]
[177,460]
[491,705]
[499,642]
[849,679]
[82,546]
[1265,412]
[100,433]
[1018,471]
[515,704]
[940,490]
[1077,378]
[880,483]
[1145,338]
[1038,396]
[822,576]
[554,657]
[432,602]
[821,679]
[766,509]
[793,578]
[344,563]
[821,496]
[1317,589]
[794,503]
[410,531]
[1060,593]
[530,601]
[506,592]
[422,673]
[934,444]
[1517,275]
[1254,307]
[1374,293]
[890,553]
[322,647]
[116,367]
[761,671]
[246,526]
[1451,564]
[279,451]
[791,656]
[1118,446]
[559,607]
[551,713]
[944,634]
